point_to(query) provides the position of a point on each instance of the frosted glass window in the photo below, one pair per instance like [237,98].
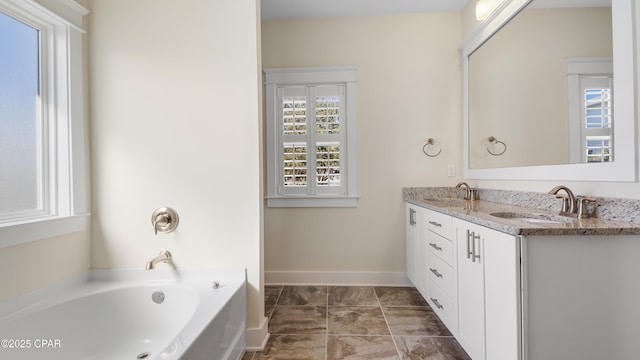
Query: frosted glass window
[21,133]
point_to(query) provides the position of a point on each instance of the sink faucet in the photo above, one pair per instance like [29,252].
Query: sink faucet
[469,193]
[568,202]
[164,256]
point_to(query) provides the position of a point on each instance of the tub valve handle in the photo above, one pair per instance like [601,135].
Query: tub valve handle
[164,220]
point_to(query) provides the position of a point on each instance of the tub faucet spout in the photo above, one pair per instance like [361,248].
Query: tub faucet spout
[164,256]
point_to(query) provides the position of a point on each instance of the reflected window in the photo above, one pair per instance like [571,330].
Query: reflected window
[591,109]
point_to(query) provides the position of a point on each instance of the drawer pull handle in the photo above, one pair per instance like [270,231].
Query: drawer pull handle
[435,246]
[435,272]
[438,305]
[435,224]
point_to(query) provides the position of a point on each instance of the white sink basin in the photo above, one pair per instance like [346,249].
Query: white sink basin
[448,201]
[533,217]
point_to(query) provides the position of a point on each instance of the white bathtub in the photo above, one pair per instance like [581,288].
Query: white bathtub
[110,314]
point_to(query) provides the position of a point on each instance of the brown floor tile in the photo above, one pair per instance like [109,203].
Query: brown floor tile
[430,348]
[268,310]
[357,320]
[298,320]
[271,294]
[361,347]
[419,321]
[248,356]
[352,295]
[399,296]
[348,323]
[303,295]
[294,347]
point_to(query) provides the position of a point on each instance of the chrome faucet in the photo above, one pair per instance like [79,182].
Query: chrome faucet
[164,256]
[469,193]
[568,202]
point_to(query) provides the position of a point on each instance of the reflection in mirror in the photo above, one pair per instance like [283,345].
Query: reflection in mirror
[543,84]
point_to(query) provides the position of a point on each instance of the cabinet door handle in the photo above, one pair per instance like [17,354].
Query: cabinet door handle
[435,272]
[435,224]
[438,305]
[469,234]
[473,247]
[412,215]
[435,246]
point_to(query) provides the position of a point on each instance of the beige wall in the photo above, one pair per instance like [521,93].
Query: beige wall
[175,122]
[408,90]
[40,263]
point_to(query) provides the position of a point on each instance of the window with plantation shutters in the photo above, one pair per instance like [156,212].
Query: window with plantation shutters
[311,137]
[590,109]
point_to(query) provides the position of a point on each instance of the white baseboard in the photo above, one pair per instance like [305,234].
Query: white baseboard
[336,278]
[256,338]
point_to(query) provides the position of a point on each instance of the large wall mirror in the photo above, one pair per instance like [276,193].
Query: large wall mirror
[549,92]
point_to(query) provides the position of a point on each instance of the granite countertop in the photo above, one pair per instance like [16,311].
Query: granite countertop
[610,216]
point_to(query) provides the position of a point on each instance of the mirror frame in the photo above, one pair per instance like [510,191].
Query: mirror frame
[624,166]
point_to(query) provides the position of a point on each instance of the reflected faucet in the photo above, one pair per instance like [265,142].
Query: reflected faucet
[164,256]
[568,202]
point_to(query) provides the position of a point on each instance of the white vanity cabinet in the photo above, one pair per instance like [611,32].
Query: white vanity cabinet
[489,309]
[470,276]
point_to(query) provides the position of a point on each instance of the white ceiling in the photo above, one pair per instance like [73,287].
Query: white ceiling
[283,9]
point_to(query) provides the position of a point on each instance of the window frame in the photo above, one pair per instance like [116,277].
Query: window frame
[62,90]
[275,79]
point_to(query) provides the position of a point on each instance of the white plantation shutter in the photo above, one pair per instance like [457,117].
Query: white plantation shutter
[310,138]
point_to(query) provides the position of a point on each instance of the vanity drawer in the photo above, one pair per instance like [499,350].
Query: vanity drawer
[443,306]
[441,274]
[440,246]
[440,224]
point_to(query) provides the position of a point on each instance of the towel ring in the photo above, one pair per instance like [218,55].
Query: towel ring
[496,141]
[431,142]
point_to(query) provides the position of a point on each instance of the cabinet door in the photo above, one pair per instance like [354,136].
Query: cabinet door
[412,240]
[471,314]
[502,296]
[422,251]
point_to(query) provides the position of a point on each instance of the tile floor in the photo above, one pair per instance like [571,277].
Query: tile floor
[345,322]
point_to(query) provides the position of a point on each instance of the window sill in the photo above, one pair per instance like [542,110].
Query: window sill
[24,232]
[313,202]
